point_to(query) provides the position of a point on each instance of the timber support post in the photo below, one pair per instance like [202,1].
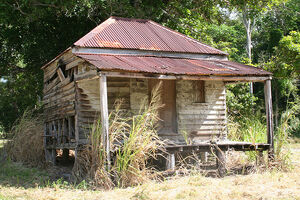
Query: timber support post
[104,117]
[170,161]
[221,162]
[269,116]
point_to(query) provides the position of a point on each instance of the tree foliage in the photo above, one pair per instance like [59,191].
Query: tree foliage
[32,32]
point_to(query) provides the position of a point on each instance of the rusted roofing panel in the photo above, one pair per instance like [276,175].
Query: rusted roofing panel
[142,35]
[172,66]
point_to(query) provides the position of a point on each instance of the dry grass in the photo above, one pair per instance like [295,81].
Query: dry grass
[26,146]
[269,185]
[134,141]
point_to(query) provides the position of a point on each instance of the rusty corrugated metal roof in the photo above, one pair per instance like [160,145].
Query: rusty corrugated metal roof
[172,66]
[124,33]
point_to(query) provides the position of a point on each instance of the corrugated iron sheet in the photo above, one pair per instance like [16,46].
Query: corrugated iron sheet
[143,35]
[171,66]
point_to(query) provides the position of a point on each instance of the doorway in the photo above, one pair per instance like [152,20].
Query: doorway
[167,114]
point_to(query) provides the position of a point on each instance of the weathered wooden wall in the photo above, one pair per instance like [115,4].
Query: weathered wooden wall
[73,102]
[59,100]
[88,100]
[59,93]
[201,121]
[138,93]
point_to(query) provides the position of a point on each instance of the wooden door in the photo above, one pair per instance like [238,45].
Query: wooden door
[167,113]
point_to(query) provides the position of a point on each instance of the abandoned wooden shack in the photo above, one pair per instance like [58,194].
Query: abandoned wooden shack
[126,58]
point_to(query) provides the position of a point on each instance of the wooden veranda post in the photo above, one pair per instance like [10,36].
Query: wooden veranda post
[269,115]
[104,117]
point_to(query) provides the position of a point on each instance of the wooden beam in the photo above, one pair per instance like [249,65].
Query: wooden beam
[221,162]
[58,131]
[269,115]
[114,51]
[69,129]
[76,126]
[104,117]
[187,77]
[65,130]
[170,161]
[74,63]
[60,74]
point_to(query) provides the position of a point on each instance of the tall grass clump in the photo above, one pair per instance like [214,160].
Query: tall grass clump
[288,123]
[251,129]
[133,140]
[26,144]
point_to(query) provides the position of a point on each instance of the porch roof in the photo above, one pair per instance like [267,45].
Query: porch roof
[170,66]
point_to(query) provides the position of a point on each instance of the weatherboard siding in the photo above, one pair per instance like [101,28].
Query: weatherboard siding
[201,121]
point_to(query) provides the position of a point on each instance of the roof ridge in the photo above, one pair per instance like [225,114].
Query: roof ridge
[129,19]
[106,34]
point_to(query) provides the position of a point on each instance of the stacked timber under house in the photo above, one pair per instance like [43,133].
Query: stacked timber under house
[127,58]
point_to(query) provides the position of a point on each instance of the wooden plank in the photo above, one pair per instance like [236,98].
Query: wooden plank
[104,117]
[197,113]
[194,132]
[61,84]
[65,130]
[69,95]
[206,122]
[60,102]
[221,162]
[87,75]
[57,115]
[74,63]
[269,116]
[52,68]
[58,131]
[69,129]
[199,90]
[50,85]
[76,128]
[205,117]
[205,127]
[186,77]
[60,74]
[61,92]
[55,131]
[170,161]
[50,73]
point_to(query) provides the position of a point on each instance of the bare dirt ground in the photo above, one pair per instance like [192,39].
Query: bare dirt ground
[267,185]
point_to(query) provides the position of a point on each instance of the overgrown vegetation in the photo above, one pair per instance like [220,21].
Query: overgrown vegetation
[26,144]
[134,141]
[33,33]
[267,185]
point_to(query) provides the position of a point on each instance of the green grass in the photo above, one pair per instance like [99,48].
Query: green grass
[272,184]
[15,174]
[5,198]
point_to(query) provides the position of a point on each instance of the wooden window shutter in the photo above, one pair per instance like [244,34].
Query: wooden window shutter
[199,91]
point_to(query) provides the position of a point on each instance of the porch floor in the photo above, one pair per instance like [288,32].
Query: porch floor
[223,145]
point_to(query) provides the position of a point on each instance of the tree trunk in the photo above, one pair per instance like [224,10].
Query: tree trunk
[248,26]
